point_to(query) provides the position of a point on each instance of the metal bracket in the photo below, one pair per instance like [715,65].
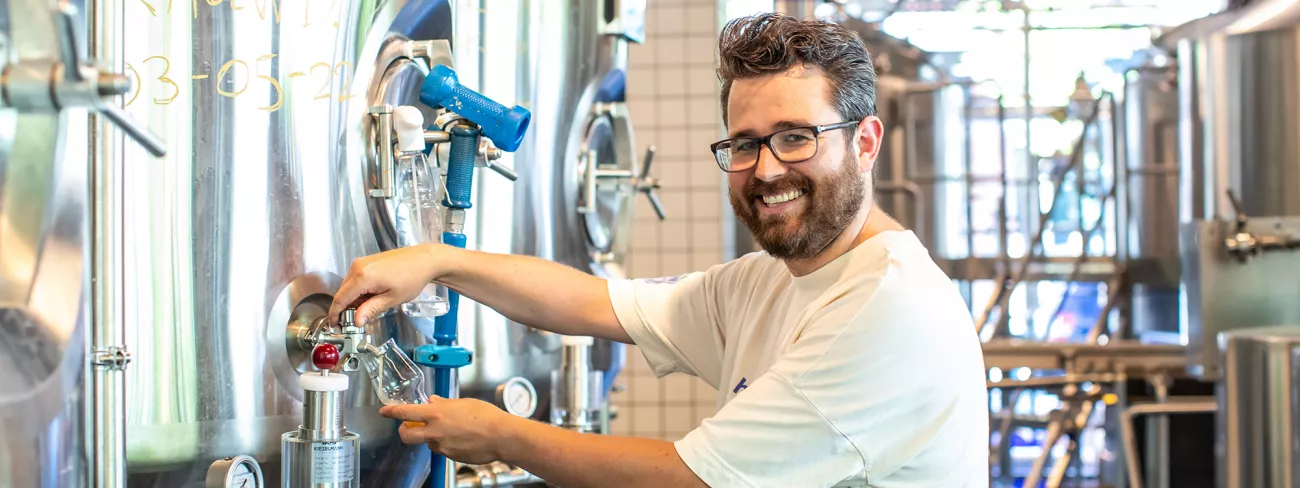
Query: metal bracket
[382,140]
[114,358]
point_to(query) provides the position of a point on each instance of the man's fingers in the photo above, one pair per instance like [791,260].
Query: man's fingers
[413,434]
[351,291]
[413,413]
[372,307]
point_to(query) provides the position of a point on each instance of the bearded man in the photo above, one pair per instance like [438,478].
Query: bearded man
[842,355]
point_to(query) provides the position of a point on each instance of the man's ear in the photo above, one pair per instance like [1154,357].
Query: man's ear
[870,134]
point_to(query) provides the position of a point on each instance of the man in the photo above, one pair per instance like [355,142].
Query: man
[842,355]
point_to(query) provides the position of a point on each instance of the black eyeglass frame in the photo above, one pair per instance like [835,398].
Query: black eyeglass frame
[817,131]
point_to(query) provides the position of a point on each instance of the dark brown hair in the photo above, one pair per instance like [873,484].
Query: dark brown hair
[770,43]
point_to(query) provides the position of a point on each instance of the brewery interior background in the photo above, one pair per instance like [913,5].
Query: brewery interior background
[1109,182]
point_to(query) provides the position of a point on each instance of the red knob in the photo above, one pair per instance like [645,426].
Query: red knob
[325,356]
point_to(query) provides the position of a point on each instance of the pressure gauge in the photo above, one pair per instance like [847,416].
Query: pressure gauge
[235,472]
[517,396]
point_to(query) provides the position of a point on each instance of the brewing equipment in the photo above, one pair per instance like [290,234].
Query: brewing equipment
[214,265]
[52,432]
[1259,407]
[924,145]
[1148,197]
[1236,142]
[578,170]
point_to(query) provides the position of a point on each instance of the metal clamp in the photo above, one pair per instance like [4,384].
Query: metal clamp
[382,139]
[56,84]
[435,356]
[113,358]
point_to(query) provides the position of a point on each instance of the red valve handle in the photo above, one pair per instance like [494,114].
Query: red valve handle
[325,356]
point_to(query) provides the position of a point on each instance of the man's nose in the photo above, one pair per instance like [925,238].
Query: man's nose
[768,168]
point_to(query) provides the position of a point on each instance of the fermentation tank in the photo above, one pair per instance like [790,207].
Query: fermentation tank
[1149,109]
[248,225]
[579,169]
[918,167]
[1238,132]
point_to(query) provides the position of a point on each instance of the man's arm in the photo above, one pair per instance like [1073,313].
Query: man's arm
[572,460]
[528,290]
[532,291]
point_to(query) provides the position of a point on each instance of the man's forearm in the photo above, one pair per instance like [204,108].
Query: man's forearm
[572,460]
[532,291]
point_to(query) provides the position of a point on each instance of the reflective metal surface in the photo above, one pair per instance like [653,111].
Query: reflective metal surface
[1259,405]
[1238,122]
[1150,122]
[249,223]
[1224,294]
[562,58]
[43,307]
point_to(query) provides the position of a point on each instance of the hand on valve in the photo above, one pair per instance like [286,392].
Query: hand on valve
[382,281]
[465,430]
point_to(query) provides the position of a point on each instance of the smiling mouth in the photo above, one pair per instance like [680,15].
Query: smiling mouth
[777,199]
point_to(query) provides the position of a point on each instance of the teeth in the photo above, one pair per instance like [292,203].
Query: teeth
[782,197]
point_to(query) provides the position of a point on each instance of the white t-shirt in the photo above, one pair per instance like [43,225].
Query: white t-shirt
[866,372]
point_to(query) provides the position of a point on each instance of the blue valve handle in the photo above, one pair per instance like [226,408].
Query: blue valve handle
[460,167]
[505,127]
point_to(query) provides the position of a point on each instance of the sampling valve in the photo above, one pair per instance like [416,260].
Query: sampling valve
[349,340]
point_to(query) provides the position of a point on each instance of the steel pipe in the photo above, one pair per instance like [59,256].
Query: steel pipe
[108,353]
[1130,440]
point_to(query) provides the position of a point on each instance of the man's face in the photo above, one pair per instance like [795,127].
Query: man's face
[796,210]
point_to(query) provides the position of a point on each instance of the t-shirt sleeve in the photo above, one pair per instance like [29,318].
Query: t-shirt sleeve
[674,321]
[844,400]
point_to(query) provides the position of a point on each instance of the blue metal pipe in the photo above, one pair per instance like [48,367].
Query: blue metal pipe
[446,356]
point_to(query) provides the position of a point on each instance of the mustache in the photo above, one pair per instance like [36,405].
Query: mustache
[791,181]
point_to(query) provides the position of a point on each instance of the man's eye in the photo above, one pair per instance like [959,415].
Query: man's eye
[745,146]
[795,138]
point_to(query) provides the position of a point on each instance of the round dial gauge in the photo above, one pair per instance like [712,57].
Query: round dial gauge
[235,472]
[518,397]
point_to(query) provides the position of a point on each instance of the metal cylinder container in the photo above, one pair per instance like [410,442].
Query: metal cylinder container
[244,231]
[321,452]
[1238,84]
[1237,124]
[577,395]
[1150,151]
[1259,408]
[553,59]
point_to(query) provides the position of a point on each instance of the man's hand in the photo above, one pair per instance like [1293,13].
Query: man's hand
[382,281]
[465,430]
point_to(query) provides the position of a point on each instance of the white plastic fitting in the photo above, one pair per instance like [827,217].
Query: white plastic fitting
[576,340]
[408,122]
[315,381]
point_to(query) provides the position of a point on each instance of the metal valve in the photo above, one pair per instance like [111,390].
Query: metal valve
[648,185]
[642,183]
[42,85]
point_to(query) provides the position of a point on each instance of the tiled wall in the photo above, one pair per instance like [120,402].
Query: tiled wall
[673,97]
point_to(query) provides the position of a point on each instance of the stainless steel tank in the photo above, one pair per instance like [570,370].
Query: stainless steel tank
[1239,131]
[1238,127]
[1149,109]
[247,227]
[566,52]
[1259,408]
[918,171]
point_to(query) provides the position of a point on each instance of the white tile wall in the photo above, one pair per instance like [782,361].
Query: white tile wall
[673,99]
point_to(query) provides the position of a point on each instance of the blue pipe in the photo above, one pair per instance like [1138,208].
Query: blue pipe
[446,356]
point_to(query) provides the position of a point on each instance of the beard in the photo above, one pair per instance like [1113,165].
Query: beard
[831,204]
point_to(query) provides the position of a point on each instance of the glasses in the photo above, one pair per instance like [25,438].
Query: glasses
[793,145]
